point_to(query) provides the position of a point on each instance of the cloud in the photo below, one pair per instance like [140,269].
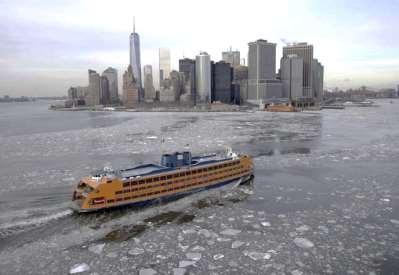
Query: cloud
[59,35]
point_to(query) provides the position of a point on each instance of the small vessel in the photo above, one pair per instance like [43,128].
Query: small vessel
[179,174]
[283,107]
[334,106]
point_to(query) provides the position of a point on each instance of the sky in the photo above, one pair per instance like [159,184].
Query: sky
[47,46]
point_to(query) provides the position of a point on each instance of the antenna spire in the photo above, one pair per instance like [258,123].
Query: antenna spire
[134,25]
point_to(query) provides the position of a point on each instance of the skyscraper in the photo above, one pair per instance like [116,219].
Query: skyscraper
[105,96]
[135,55]
[262,83]
[304,51]
[291,74]
[317,80]
[112,75]
[130,88]
[222,80]
[232,57]
[164,63]
[94,90]
[187,67]
[203,77]
[149,90]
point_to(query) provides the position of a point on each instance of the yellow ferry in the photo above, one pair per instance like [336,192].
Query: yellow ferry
[179,174]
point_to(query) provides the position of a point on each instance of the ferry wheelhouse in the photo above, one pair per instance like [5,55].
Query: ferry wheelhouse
[178,174]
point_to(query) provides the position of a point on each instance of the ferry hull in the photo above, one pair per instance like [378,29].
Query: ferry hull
[168,198]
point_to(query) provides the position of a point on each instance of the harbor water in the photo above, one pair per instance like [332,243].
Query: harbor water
[325,199]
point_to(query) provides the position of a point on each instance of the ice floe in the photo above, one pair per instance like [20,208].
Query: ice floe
[147,271]
[186,263]
[303,243]
[230,232]
[78,268]
[98,249]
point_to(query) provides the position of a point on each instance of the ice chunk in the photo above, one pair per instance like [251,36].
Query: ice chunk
[303,243]
[147,271]
[205,232]
[265,224]
[237,244]
[189,231]
[247,191]
[257,255]
[296,272]
[97,248]
[193,256]
[112,255]
[323,228]
[179,271]
[218,256]
[198,248]
[395,221]
[223,239]
[152,137]
[230,232]
[186,263]
[78,268]
[302,228]
[136,251]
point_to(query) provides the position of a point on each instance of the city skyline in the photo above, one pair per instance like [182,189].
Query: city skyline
[44,50]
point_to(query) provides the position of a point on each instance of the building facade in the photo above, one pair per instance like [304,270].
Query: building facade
[130,88]
[305,51]
[149,90]
[231,57]
[172,87]
[222,79]
[94,89]
[164,63]
[291,75]
[262,83]
[240,80]
[112,76]
[317,80]
[135,59]
[203,77]
[105,95]
[187,67]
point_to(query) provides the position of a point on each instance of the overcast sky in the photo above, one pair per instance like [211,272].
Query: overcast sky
[48,45]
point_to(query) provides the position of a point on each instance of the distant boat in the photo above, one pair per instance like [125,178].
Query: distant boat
[334,107]
[365,103]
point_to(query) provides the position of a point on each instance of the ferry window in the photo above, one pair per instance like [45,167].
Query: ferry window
[181,174]
[163,178]
[109,181]
[127,198]
[110,201]
[134,183]
[156,179]
[148,180]
[141,182]
[169,176]
[118,192]
[126,191]
[126,184]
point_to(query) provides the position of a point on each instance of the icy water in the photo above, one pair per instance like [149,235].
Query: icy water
[325,198]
